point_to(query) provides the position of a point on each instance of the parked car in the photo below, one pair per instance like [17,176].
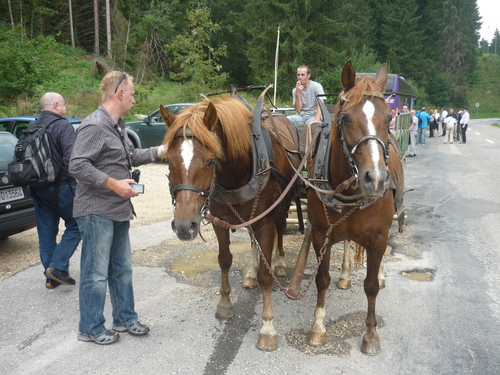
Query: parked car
[16,125]
[150,131]
[17,212]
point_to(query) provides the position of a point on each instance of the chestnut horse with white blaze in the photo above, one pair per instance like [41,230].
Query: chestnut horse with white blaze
[361,147]
[219,160]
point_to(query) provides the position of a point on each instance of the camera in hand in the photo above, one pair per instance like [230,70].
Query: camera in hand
[138,188]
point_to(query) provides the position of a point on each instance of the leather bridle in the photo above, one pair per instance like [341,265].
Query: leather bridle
[187,133]
[353,166]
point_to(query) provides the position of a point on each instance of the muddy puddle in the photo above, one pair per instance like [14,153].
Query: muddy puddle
[419,275]
[192,264]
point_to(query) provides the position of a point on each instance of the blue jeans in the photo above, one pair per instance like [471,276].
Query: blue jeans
[421,136]
[298,120]
[106,259]
[48,215]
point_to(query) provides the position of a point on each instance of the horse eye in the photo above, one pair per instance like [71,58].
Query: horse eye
[211,163]
[345,118]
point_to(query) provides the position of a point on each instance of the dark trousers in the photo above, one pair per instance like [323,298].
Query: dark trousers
[464,130]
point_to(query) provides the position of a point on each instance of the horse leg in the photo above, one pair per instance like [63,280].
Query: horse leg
[279,264]
[345,277]
[250,271]
[317,333]
[371,340]
[381,277]
[268,338]
[225,258]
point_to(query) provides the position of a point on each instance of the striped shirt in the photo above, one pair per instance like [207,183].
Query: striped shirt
[99,153]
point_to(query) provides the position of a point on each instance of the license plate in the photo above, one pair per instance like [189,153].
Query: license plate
[11,194]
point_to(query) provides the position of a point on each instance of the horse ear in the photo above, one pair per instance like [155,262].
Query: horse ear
[167,117]
[382,77]
[210,119]
[348,76]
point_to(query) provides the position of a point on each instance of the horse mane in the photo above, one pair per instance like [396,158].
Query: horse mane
[363,86]
[234,118]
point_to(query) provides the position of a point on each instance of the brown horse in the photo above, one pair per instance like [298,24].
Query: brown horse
[360,147]
[217,160]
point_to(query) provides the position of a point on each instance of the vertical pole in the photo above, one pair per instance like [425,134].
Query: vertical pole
[276,68]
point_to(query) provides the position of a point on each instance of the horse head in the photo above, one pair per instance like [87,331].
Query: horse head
[192,151]
[363,128]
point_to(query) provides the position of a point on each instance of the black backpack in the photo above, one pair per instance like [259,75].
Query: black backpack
[420,120]
[33,164]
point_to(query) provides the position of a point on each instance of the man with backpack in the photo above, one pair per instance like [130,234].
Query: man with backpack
[54,201]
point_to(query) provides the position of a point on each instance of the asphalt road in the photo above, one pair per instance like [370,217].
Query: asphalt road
[448,325]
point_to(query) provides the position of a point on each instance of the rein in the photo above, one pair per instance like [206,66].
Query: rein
[226,225]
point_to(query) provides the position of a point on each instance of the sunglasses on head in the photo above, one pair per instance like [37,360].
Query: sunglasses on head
[120,81]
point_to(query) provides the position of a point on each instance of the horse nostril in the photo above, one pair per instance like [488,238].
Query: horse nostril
[194,227]
[368,178]
[173,226]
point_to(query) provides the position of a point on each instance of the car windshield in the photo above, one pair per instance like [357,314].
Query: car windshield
[7,146]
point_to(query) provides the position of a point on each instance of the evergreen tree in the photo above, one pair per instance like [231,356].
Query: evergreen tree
[401,40]
[495,43]
[317,33]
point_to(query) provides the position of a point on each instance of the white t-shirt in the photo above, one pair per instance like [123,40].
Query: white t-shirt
[308,98]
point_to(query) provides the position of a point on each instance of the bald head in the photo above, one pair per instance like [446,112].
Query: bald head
[53,102]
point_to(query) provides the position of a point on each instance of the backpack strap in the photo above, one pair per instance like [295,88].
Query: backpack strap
[33,124]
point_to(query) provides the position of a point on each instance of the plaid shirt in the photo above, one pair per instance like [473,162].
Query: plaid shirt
[99,153]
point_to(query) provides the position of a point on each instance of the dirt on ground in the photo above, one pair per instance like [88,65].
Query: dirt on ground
[21,250]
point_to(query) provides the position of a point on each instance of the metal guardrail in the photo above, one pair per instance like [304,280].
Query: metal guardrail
[402,134]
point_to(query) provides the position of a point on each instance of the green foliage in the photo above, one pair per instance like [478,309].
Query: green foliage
[195,59]
[320,34]
[401,38]
[364,61]
[486,90]
[433,43]
[25,63]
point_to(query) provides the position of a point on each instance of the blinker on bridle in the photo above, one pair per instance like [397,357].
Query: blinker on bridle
[353,166]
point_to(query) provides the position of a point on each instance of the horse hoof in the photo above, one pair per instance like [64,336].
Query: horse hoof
[381,284]
[344,284]
[267,343]
[370,348]
[249,283]
[317,339]
[280,271]
[224,312]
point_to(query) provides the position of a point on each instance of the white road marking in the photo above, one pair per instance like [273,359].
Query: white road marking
[490,141]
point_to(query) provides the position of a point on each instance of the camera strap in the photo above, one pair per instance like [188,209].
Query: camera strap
[128,152]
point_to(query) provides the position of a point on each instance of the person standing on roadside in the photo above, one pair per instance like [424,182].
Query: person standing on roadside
[304,98]
[458,133]
[413,134]
[422,127]
[444,114]
[101,162]
[54,201]
[464,123]
[450,122]
[392,123]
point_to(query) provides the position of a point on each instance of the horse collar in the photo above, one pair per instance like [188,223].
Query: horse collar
[261,163]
